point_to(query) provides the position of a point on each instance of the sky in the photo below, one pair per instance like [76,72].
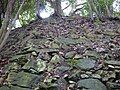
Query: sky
[116,5]
[48,11]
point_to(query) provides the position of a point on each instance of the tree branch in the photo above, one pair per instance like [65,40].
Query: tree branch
[80,4]
[78,9]
[10,26]
[5,24]
[66,7]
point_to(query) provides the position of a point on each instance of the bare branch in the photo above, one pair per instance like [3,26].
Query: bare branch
[66,6]
[80,4]
[78,9]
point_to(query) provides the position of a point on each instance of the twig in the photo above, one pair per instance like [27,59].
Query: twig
[66,6]
[80,4]
[77,10]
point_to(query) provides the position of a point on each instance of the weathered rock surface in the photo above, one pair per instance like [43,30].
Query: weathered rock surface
[86,64]
[91,84]
[47,55]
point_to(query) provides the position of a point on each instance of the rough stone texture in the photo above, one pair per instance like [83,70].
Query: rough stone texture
[91,84]
[44,48]
[86,64]
[24,79]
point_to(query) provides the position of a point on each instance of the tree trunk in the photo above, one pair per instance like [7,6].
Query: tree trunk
[56,4]
[58,8]
[90,9]
[108,14]
[8,15]
[1,12]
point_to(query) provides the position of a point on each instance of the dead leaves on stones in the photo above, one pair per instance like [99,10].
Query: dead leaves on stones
[66,51]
